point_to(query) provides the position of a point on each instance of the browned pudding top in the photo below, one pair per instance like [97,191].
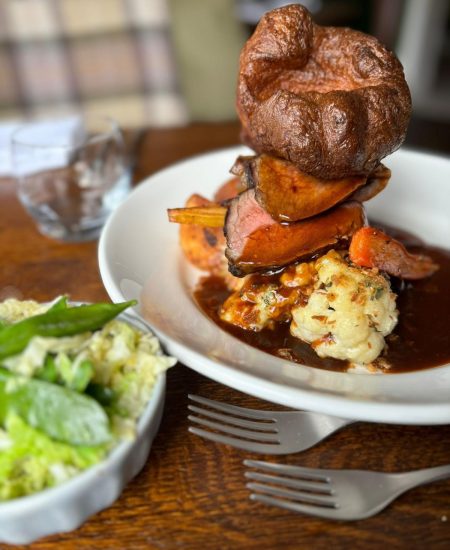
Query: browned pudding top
[334,101]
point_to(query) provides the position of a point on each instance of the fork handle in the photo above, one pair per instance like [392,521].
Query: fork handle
[420,477]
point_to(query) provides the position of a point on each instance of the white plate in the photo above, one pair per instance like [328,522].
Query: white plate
[139,247]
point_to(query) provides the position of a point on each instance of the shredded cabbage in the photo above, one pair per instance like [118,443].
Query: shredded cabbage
[119,359]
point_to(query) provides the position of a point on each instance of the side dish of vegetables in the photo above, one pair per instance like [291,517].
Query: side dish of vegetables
[74,379]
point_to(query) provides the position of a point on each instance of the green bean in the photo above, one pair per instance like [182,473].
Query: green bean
[57,322]
[61,303]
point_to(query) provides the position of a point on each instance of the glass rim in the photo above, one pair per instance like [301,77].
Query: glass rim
[98,137]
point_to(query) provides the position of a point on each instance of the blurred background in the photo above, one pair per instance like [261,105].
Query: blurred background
[162,63]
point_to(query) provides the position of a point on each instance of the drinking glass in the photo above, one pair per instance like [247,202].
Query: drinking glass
[71,174]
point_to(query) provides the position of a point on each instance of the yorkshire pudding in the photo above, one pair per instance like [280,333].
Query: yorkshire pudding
[333,101]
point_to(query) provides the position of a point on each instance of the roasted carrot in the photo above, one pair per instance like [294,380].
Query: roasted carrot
[370,247]
[203,246]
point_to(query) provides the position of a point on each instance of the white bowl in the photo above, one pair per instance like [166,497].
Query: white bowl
[66,506]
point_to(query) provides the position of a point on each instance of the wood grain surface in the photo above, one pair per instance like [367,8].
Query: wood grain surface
[191,493]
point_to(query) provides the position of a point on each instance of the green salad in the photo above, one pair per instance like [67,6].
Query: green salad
[73,382]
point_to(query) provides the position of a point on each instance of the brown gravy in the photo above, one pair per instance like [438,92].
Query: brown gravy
[421,339]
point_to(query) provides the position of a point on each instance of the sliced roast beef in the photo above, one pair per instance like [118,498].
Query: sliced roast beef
[376,182]
[287,193]
[256,242]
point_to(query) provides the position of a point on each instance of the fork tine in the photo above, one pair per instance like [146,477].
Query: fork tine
[297,496]
[311,510]
[232,409]
[260,426]
[294,471]
[251,446]
[316,486]
[255,436]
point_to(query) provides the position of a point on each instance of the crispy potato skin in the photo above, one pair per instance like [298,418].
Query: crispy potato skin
[203,246]
[333,101]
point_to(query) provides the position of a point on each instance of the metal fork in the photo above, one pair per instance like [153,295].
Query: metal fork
[266,432]
[333,494]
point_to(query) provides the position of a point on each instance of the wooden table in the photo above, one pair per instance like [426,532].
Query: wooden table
[191,494]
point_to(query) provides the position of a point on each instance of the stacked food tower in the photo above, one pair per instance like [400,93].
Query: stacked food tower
[320,107]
